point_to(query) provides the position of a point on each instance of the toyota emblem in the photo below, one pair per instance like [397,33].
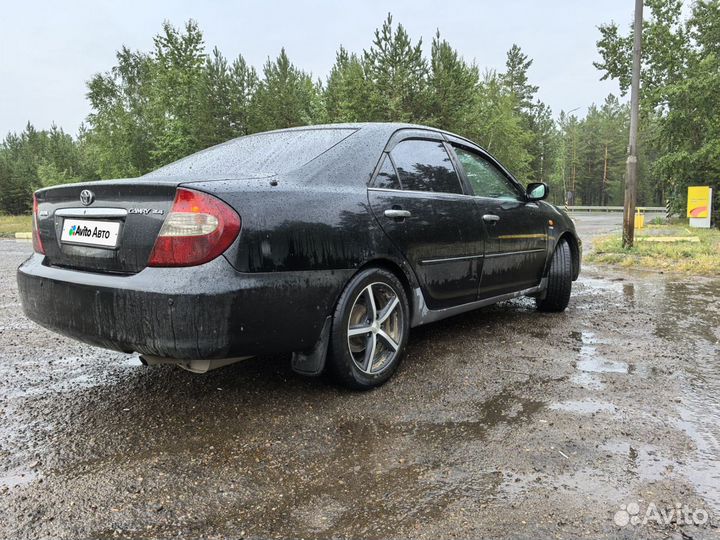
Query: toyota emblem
[87,197]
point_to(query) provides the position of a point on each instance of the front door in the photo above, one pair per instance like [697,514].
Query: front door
[418,199]
[516,244]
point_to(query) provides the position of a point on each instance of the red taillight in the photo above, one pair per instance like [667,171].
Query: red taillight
[37,242]
[198,228]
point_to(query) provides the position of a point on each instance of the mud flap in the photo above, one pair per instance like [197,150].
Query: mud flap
[312,362]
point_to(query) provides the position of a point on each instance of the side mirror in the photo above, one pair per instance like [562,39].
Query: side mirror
[537,191]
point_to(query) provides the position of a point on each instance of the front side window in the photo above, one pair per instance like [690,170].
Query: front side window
[485,178]
[425,166]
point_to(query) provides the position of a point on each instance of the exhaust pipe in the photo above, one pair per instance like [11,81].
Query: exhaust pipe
[194,366]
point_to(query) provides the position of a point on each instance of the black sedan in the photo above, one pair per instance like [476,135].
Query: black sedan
[327,242]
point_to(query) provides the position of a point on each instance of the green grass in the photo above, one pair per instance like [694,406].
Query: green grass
[9,225]
[701,258]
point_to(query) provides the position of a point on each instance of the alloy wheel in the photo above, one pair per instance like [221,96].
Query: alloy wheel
[375,328]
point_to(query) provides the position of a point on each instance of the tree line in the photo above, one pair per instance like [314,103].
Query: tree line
[157,106]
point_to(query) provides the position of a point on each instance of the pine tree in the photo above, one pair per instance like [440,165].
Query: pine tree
[543,145]
[452,84]
[396,69]
[226,99]
[495,124]
[348,93]
[35,159]
[178,93]
[243,84]
[286,97]
[516,79]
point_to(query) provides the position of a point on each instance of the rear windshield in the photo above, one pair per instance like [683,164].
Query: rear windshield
[257,155]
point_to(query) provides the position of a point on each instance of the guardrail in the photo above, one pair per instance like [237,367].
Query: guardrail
[659,209]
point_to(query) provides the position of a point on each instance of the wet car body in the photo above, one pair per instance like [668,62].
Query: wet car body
[306,229]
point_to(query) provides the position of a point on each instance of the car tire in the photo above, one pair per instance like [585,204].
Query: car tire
[369,330]
[557,294]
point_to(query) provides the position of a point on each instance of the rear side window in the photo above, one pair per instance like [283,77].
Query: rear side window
[387,177]
[261,154]
[425,166]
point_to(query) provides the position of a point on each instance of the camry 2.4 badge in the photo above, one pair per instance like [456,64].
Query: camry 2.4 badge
[145,211]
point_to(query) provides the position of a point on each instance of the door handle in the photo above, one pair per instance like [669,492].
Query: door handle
[397,214]
[491,218]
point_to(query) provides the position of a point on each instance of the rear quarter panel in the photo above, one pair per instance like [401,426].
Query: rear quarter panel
[296,228]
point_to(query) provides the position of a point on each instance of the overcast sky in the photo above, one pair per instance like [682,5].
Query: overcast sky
[49,50]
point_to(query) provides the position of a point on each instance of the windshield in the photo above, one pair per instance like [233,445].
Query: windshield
[257,155]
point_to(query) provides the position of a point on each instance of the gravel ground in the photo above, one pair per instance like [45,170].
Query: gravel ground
[501,423]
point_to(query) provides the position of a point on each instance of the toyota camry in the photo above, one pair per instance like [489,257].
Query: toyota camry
[327,242]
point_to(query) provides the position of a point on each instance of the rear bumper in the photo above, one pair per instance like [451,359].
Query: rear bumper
[207,311]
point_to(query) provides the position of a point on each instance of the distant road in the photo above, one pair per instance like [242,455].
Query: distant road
[590,224]
[594,223]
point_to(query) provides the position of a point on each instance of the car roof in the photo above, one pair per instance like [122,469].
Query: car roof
[388,127]
[352,159]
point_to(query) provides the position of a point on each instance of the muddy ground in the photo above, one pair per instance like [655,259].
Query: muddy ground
[500,423]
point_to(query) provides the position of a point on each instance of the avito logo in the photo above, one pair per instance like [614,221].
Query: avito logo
[80,231]
[87,232]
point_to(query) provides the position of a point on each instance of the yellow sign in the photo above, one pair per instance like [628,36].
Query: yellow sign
[639,220]
[698,202]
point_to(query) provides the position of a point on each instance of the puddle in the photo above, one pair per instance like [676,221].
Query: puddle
[703,467]
[509,409]
[691,316]
[587,380]
[584,407]
[685,306]
[643,461]
[62,374]
[686,312]
[690,310]
[539,333]
[499,411]
[589,483]
[589,360]
[16,477]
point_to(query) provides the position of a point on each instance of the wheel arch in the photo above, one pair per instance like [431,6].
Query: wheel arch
[574,244]
[405,275]
[312,362]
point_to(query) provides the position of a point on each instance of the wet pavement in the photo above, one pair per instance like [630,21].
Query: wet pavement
[504,422]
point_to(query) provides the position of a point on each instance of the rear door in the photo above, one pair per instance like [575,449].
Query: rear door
[421,203]
[516,245]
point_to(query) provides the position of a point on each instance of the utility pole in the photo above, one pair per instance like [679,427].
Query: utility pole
[574,160]
[604,182]
[565,188]
[631,173]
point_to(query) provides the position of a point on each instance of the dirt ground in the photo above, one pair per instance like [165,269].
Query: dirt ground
[502,423]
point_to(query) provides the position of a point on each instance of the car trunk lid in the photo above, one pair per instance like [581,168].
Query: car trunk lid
[108,226]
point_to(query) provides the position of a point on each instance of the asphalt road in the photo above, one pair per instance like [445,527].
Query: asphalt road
[597,223]
[500,423]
